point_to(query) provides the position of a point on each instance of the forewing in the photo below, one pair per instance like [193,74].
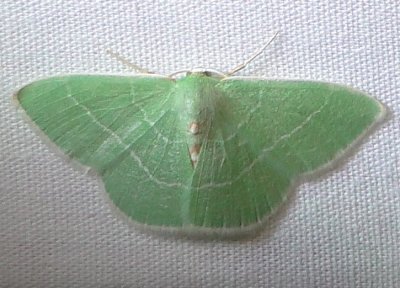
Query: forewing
[303,125]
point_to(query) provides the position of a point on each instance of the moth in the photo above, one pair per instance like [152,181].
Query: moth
[204,153]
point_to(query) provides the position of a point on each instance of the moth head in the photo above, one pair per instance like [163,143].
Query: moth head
[199,71]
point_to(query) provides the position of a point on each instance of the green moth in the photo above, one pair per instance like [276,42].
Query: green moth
[203,153]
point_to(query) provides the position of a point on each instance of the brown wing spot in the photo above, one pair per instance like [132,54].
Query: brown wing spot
[194,128]
[194,152]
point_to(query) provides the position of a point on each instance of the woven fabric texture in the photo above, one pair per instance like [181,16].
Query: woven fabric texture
[340,230]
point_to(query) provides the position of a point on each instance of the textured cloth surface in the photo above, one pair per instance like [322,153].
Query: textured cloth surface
[341,230]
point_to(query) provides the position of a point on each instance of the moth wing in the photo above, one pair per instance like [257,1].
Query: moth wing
[270,133]
[125,128]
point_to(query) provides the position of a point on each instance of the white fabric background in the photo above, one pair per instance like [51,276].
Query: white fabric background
[342,230]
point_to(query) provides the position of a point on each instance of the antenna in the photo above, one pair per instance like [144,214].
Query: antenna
[258,52]
[126,62]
